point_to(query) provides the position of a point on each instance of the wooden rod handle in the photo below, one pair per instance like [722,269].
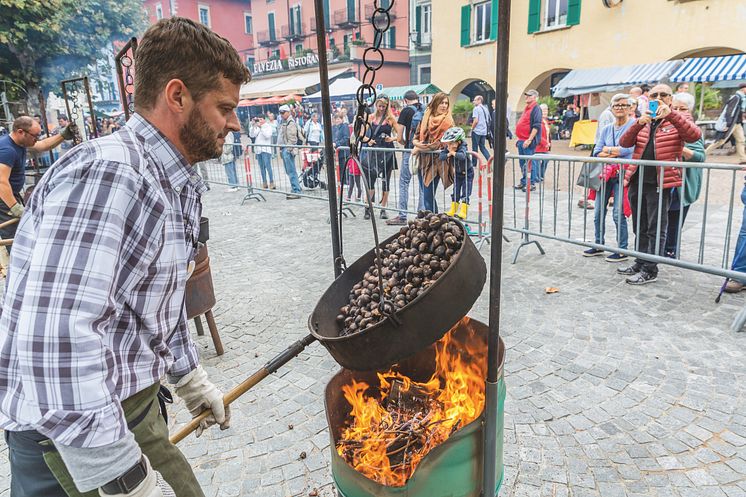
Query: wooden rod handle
[228,398]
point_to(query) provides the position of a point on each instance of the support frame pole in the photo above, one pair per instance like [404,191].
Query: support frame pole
[326,112]
[489,472]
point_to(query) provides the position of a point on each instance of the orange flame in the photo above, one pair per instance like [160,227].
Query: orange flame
[386,444]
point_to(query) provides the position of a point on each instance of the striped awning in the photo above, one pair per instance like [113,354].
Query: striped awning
[725,68]
[607,79]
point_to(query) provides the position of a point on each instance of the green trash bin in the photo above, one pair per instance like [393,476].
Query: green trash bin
[453,469]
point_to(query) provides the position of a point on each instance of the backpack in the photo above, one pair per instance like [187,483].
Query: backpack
[301,137]
[419,113]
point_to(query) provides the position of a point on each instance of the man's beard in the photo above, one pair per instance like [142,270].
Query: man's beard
[199,140]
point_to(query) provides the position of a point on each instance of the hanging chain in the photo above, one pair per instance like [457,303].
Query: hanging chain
[373,60]
[75,115]
[129,83]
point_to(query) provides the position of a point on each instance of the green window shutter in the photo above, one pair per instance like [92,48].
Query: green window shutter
[271,22]
[351,10]
[384,4]
[573,12]
[326,15]
[493,27]
[418,22]
[466,25]
[534,16]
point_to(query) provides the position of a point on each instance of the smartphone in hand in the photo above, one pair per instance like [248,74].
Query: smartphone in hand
[653,108]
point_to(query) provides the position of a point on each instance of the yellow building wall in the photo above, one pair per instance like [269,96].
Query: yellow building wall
[636,32]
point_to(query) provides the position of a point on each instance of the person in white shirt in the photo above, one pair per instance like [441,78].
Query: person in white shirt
[261,132]
[313,130]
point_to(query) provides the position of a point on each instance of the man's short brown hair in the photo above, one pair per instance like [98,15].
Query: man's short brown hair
[23,123]
[179,48]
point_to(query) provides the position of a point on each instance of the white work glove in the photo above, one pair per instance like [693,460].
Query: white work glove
[152,486]
[199,394]
[16,210]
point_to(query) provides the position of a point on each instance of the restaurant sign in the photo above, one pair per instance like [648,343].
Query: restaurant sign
[289,64]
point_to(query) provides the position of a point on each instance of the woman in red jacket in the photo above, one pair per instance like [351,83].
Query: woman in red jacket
[656,136]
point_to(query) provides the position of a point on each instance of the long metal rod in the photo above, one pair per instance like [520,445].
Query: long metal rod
[45,123]
[87,86]
[489,472]
[326,113]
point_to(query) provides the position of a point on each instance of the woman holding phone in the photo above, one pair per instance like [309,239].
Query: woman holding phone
[379,163]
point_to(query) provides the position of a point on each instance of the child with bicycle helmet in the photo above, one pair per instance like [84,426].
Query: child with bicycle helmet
[456,154]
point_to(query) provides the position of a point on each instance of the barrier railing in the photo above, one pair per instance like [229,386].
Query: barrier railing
[703,234]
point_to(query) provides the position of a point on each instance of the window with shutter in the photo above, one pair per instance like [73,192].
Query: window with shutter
[465,25]
[482,21]
[418,24]
[573,13]
[493,29]
[534,16]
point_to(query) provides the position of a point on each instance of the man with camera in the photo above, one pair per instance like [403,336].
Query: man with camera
[659,135]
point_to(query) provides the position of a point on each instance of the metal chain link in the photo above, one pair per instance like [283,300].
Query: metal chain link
[381,21]
[75,114]
[129,83]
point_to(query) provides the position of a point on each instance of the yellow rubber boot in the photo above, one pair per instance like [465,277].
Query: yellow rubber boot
[452,211]
[463,210]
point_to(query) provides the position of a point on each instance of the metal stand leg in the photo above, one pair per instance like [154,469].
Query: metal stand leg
[251,194]
[198,325]
[214,332]
[525,241]
[739,321]
[344,211]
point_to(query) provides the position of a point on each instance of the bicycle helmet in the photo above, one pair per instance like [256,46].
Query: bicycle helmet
[453,134]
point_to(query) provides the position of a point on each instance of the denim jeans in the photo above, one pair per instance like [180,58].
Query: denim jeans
[405,178]
[430,203]
[535,167]
[478,145]
[265,165]
[542,166]
[288,159]
[613,187]
[739,257]
[230,171]
[462,186]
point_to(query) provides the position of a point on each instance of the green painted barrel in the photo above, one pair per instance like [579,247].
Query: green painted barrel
[453,469]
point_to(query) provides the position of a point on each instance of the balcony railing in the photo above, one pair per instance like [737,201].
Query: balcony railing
[345,18]
[380,18]
[267,38]
[292,33]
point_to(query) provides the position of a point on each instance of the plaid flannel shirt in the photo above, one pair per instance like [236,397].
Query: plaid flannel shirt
[93,310]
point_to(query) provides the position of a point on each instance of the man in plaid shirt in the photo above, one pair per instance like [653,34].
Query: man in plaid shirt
[93,314]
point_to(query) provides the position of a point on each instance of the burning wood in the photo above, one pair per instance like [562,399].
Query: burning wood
[393,425]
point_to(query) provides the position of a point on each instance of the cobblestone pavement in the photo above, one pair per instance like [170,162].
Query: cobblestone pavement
[612,390]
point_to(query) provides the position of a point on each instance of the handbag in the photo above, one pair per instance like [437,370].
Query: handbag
[414,163]
[591,175]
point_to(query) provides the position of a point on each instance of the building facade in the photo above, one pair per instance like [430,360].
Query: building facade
[548,38]
[231,19]
[420,41]
[286,44]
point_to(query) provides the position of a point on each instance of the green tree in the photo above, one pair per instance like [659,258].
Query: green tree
[551,103]
[45,41]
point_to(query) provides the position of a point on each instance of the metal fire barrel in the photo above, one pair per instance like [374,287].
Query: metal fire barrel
[199,295]
[453,469]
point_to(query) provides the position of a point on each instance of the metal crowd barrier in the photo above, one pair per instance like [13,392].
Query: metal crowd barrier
[705,239]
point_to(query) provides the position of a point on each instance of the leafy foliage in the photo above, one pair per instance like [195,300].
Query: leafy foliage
[712,99]
[45,41]
[551,103]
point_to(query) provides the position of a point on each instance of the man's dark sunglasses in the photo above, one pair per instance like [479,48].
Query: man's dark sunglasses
[659,95]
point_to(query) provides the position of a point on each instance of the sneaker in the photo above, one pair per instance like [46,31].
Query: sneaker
[397,221]
[367,214]
[592,252]
[384,215]
[642,278]
[585,204]
[630,270]
[734,286]
[616,258]
[519,187]
[292,197]
[231,190]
